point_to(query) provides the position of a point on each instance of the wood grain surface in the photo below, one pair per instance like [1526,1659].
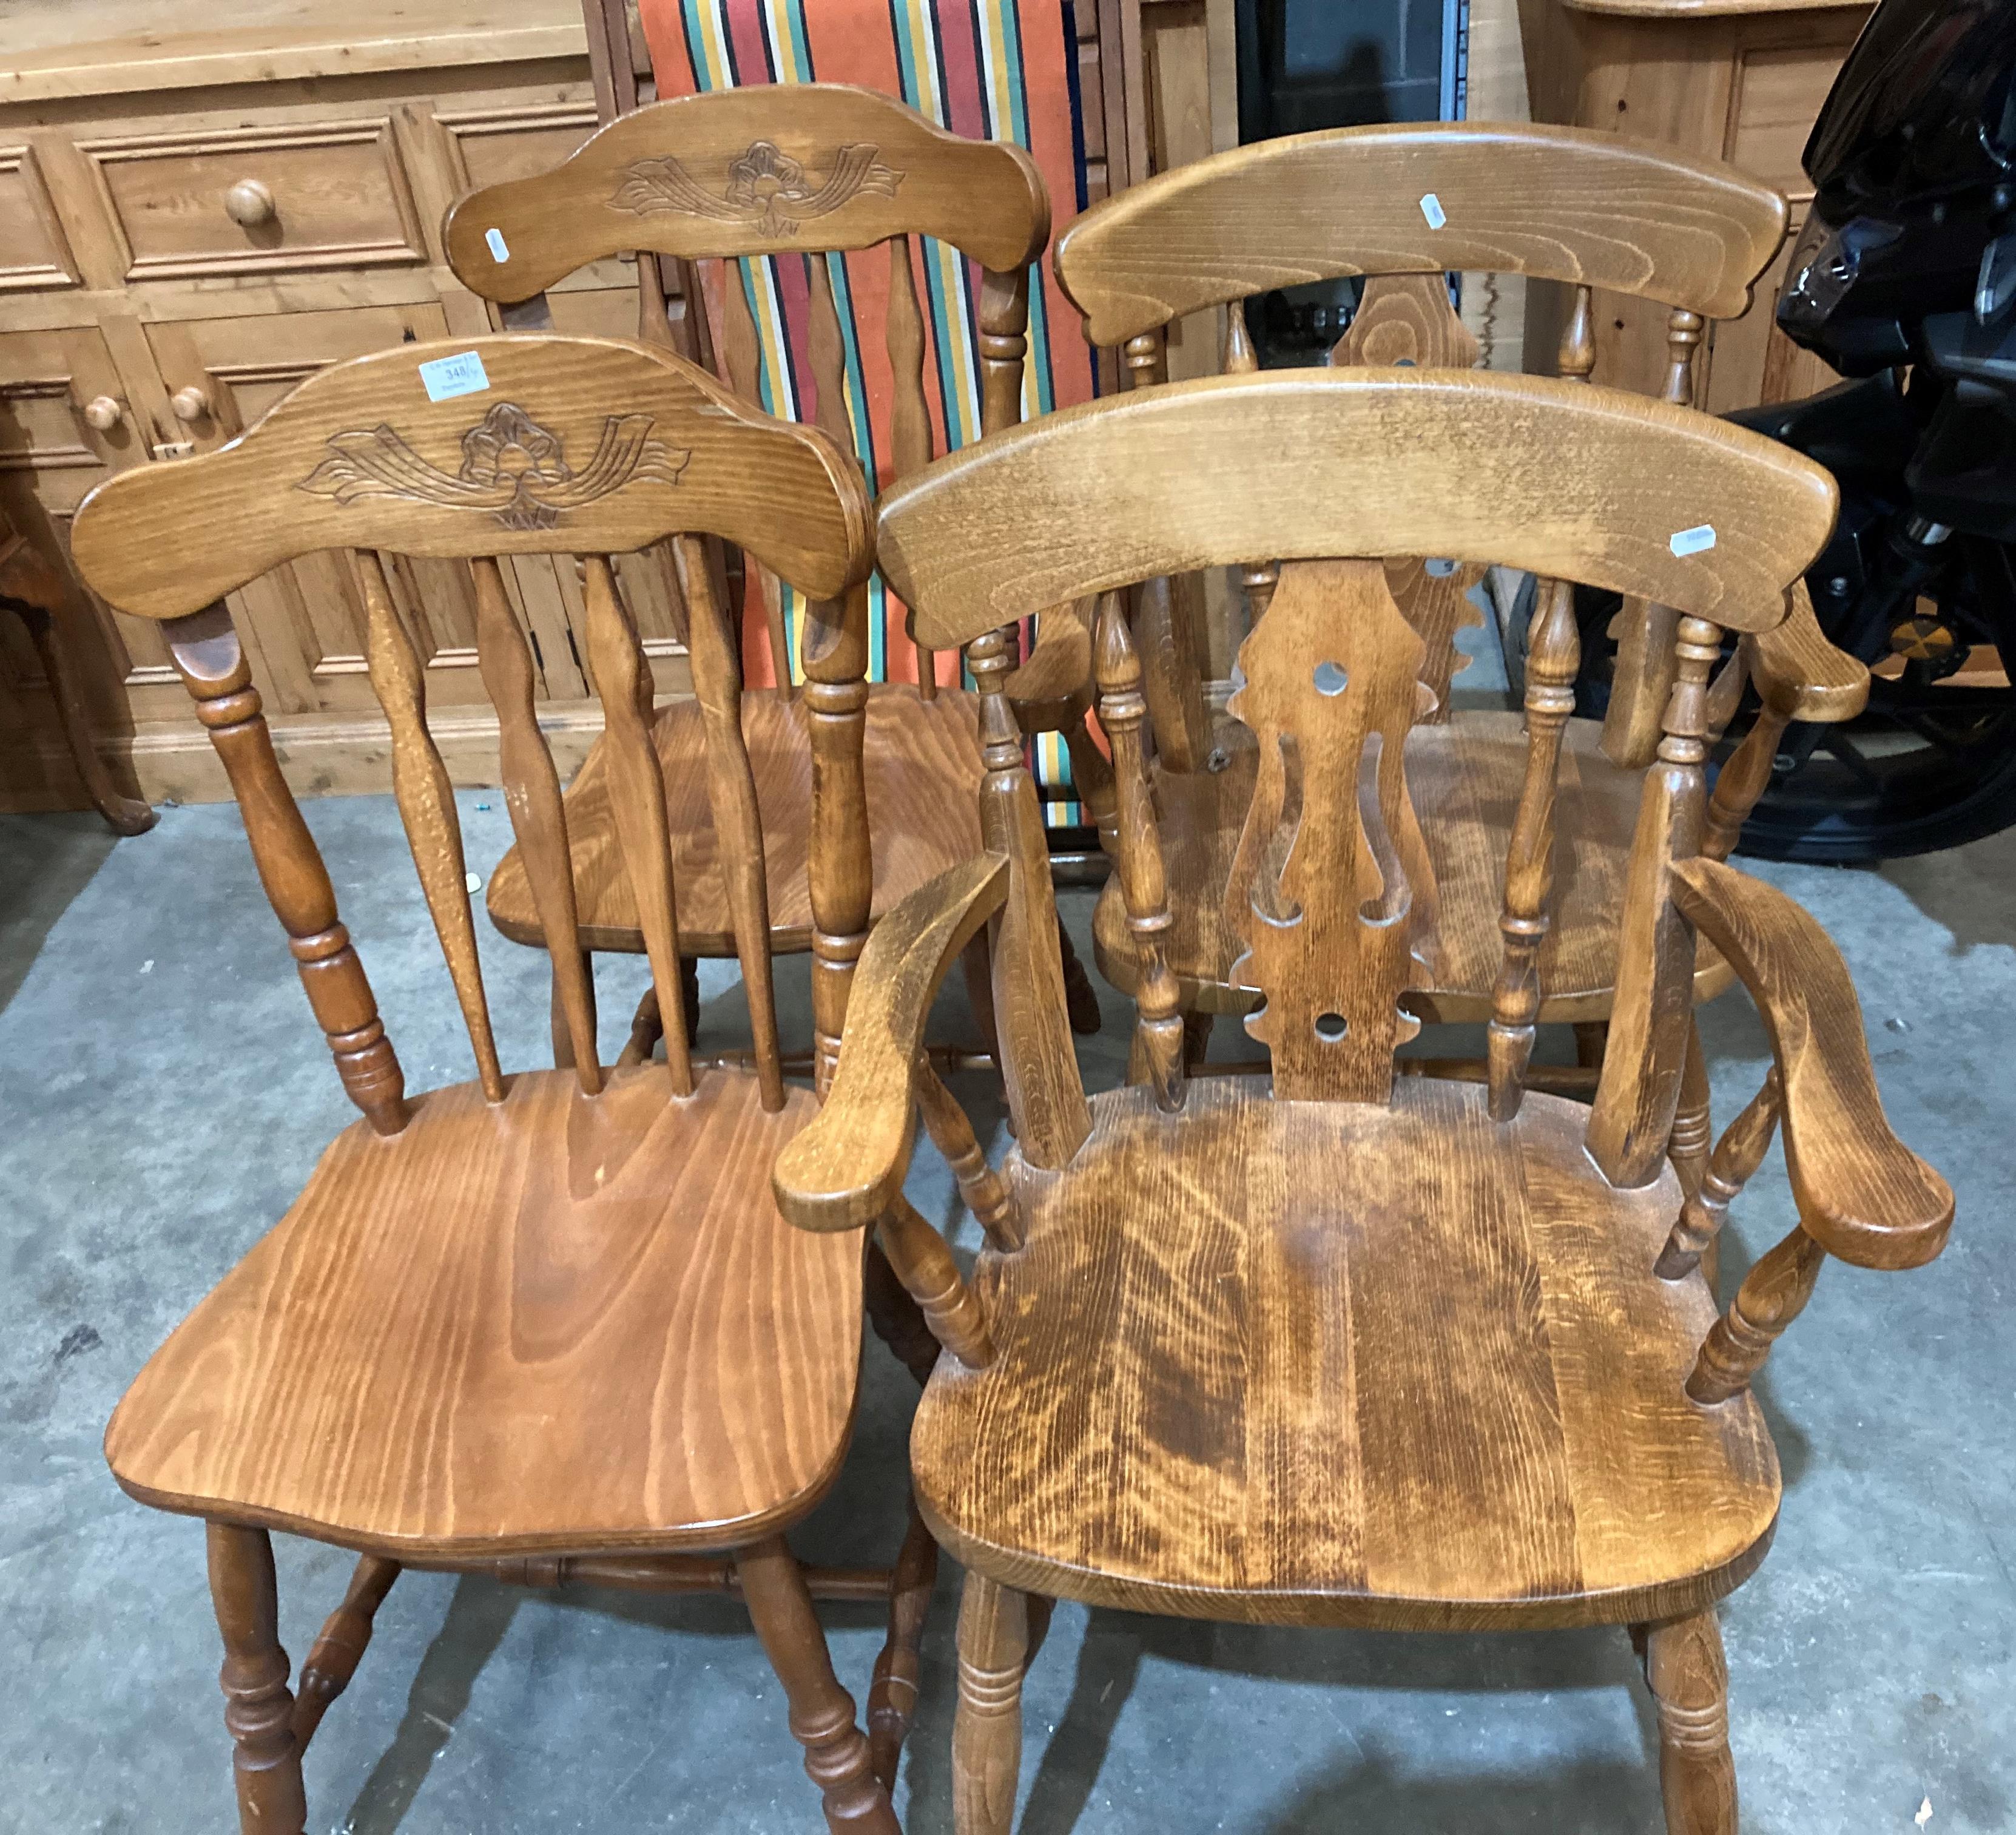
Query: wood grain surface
[1464,780]
[576,445]
[559,1323]
[731,173]
[1571,204]
[1566,481]
[922,764]
[1341,1364]
[1863,1195]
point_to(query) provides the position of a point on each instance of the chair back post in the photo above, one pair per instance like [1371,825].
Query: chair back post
[206,654]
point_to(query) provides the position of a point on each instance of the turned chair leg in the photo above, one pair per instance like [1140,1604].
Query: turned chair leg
[987,1730]
[1690,1683]
[836,1756]
[892,1695]
[346,1635]
[258,1710]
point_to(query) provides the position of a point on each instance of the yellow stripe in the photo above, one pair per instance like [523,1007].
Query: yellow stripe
[717,50]
[783,45]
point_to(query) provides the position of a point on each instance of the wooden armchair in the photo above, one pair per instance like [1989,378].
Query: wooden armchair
[809,171]
[1358,1348]
[1402,206]
[547,1324]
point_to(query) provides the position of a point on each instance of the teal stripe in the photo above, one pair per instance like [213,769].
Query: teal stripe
[878,629]
[857,389]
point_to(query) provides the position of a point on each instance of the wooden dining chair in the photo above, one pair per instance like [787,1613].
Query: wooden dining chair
[807,172]
[1404,206]
[545,1325]
[1358,1348]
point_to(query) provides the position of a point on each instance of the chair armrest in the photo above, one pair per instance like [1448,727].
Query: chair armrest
[1863,1195]
[1799,674]
[847,1168]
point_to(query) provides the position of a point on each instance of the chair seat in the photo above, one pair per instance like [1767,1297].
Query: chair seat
[1464,778]
[559,1324]
[1332,1363]
[921,759]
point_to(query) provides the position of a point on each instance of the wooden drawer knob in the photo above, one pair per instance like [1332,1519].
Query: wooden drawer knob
[248,204]
[103,412]
[189,404]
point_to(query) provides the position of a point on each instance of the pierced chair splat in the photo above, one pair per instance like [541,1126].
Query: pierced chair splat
[544,1324]
[1340,1346]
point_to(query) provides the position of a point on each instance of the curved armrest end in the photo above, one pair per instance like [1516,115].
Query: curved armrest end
[843,1171]
[1802,675]
[1863,1195]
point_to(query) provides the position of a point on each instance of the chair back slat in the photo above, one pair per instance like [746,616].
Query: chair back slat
[909,412]
[1330,890]
[731,788]
[205,650]
[622,679]
[532,796]
[581,446]
[740,359]
[426,796]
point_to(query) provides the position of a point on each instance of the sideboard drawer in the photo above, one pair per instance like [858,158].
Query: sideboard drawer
[258,200]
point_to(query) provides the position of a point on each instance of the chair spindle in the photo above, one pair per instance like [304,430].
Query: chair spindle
[426,796]
[925,1266]
[1257,579]
[1554,655]
[738,825]
[1158,1032]
[738,352]
[910,414]
[984,1192]
[539,817]
[1683,340]
[637,798]
[207,654]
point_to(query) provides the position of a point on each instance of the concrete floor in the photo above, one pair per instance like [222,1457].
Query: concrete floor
[164,1094]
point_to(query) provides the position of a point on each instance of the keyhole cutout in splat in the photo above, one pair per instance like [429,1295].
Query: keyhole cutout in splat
[1330,679]
[1331,1027]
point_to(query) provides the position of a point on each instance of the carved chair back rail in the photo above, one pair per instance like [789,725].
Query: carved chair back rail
[1476,1381]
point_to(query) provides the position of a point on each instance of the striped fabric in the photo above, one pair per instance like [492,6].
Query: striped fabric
[986,69]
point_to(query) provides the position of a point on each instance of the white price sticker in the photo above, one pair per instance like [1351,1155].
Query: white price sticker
[446,377]
[1693,541]
[493,239]
[1432,208]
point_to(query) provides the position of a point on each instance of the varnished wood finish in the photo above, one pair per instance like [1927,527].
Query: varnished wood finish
[1737,1155]
[530,1278]
[914,753]
[822,1712]
[1865,1195]
[258,1710]
[1593,209]
[987,1732]
[1465,779]
[207,654]
[844,1171]
[731,173]
[1551,476]
[681,453]
[1400,1366]
[1330,890]
[1774,1294]
[1689,1678]
[519,1324]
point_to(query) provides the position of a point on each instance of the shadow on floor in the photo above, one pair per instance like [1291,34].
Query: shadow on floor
[45,861]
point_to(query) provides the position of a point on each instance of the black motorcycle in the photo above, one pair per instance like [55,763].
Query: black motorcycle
[1904,280]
